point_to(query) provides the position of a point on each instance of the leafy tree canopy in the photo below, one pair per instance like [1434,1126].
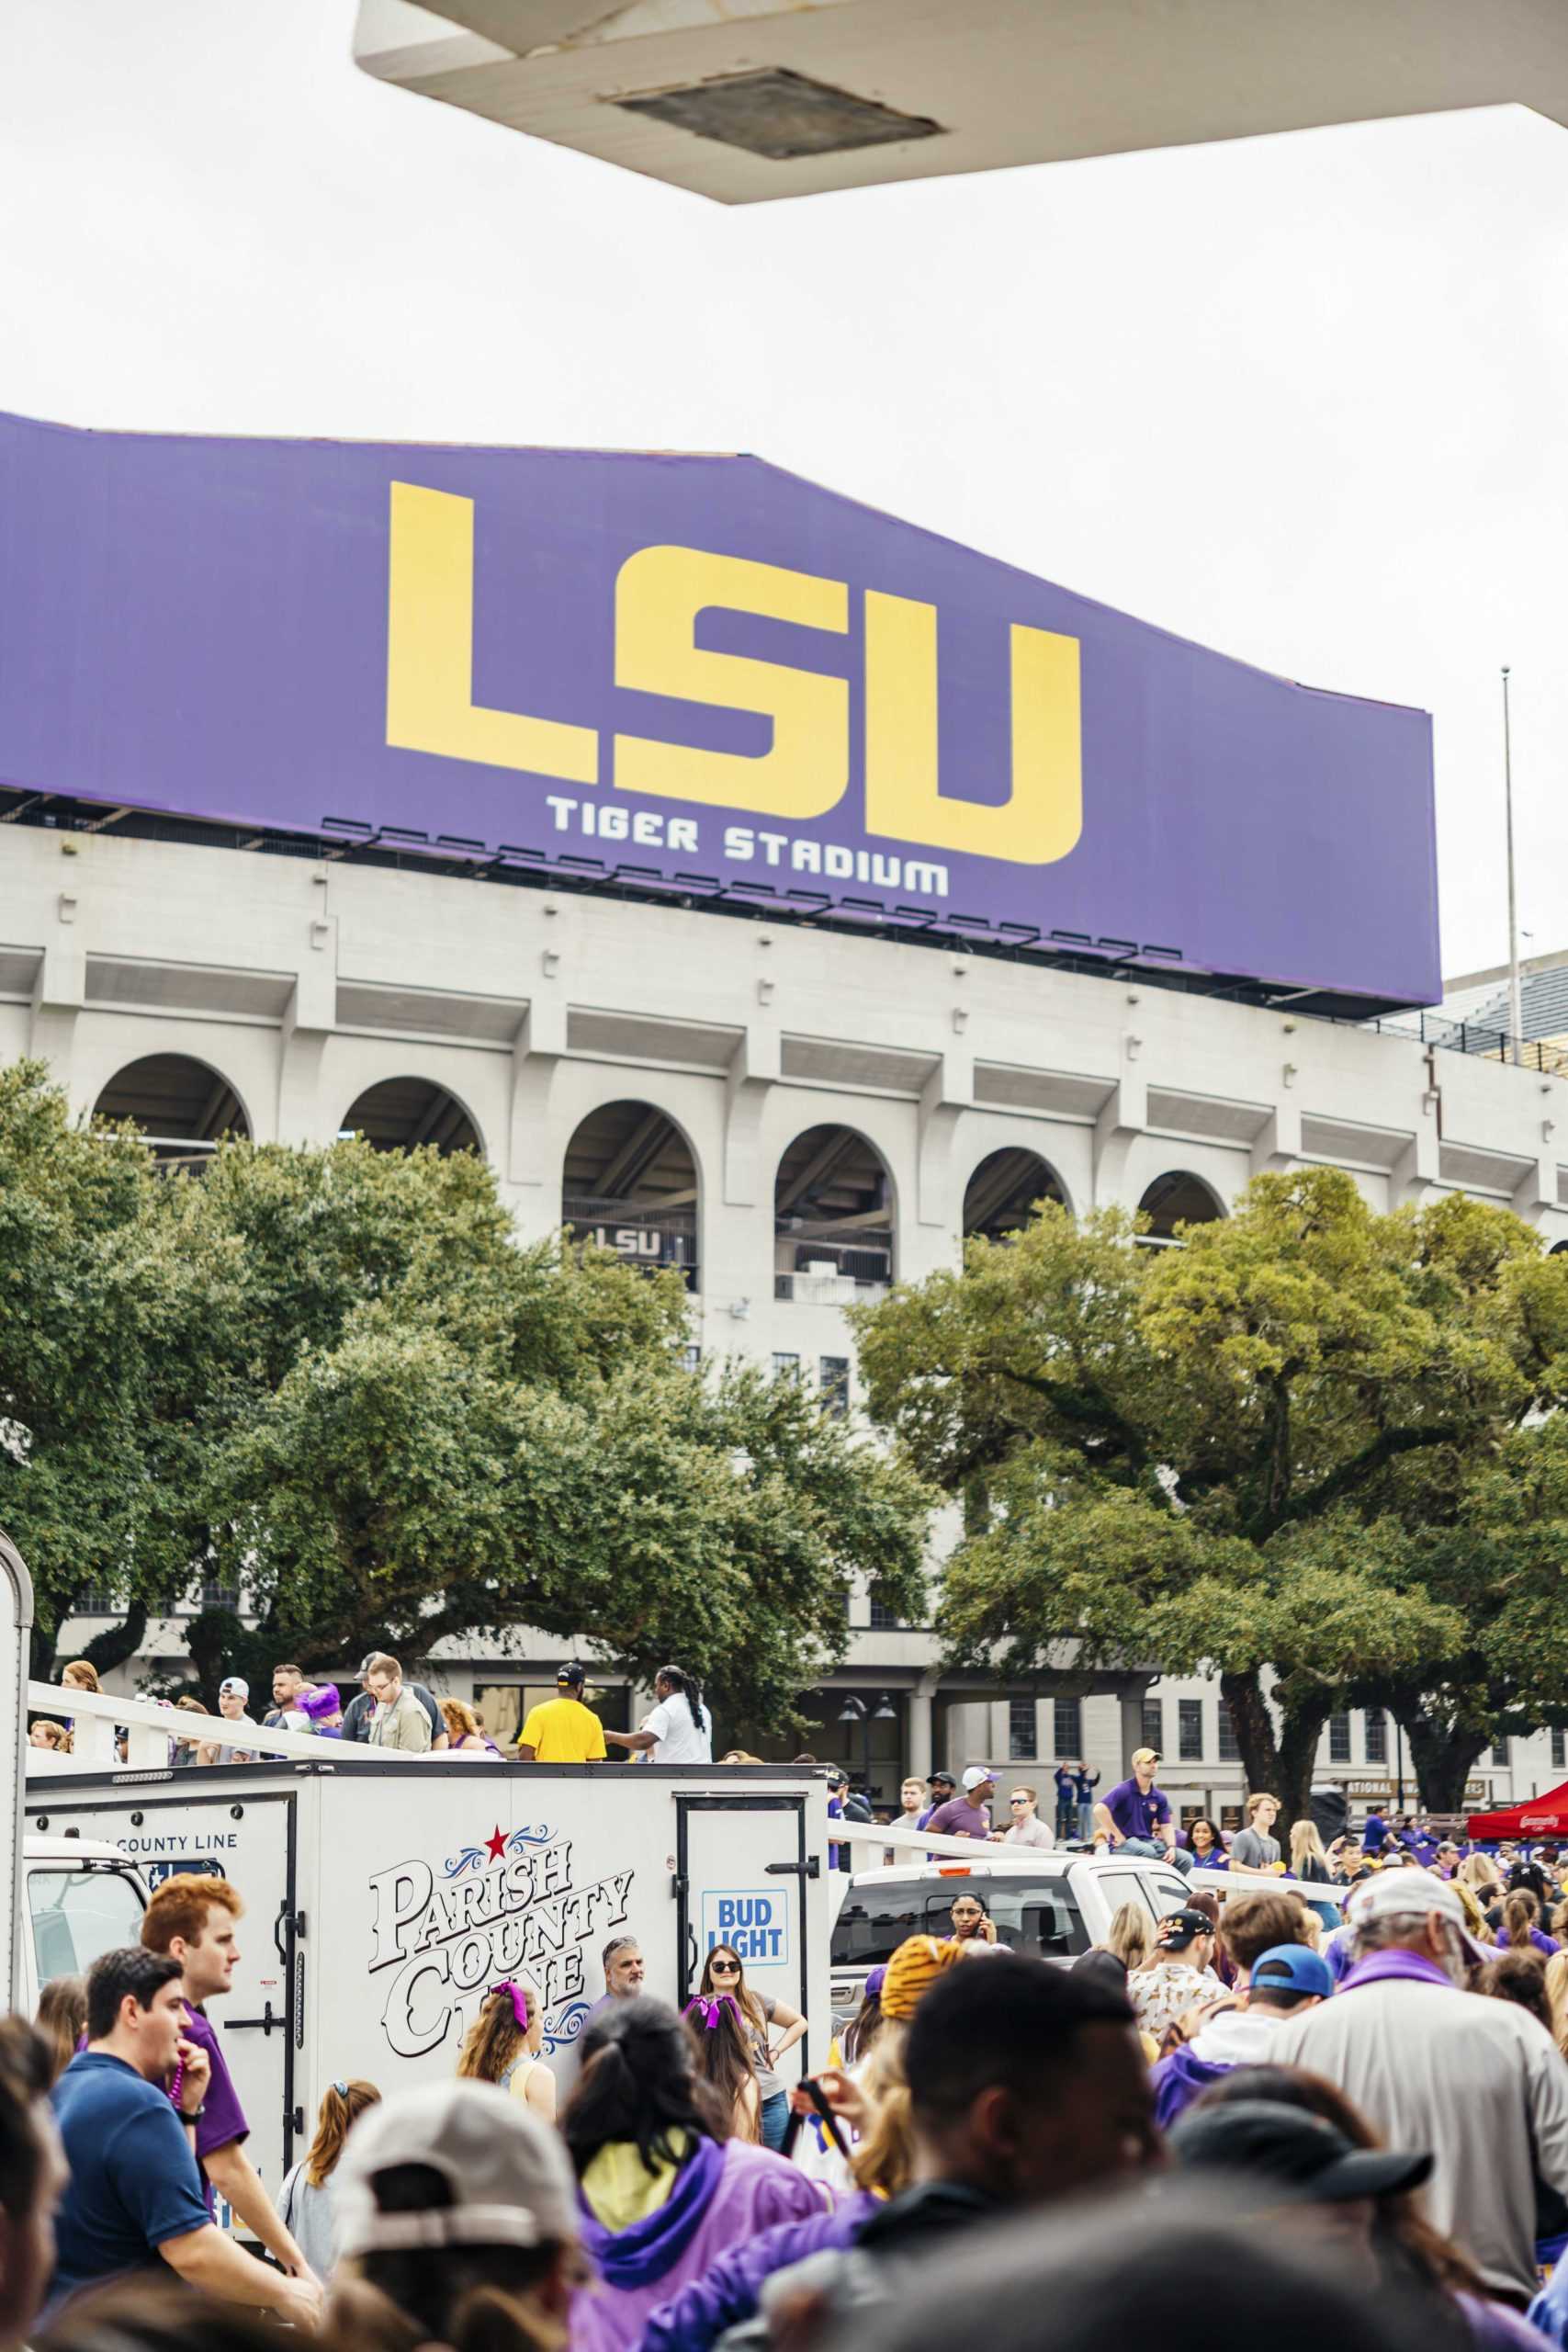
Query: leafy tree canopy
[1273,1451]
[332,1377]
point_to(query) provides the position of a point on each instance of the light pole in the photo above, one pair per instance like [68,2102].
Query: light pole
[1516,1007]
[856,1711]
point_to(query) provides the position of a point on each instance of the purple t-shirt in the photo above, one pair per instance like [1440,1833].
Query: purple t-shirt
[223,2118]
[1135,1811]
[958,1818]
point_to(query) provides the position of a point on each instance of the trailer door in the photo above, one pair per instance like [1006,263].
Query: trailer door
[250,1839]
[743,1876]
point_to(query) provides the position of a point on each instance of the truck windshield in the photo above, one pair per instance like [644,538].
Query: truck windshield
[1035,1915]
[79,1913]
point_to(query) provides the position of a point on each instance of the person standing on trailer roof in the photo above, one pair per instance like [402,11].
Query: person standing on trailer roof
[360,1712]
[563,1730]
[679,1731]
[191,1919]
[400,1721]
[233,1702]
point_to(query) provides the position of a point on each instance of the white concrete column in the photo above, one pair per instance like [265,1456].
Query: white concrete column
[1123,1119]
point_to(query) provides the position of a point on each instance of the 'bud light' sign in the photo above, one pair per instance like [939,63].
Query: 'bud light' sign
[755,1925]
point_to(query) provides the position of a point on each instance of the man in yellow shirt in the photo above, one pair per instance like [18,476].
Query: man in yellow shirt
[563,1731]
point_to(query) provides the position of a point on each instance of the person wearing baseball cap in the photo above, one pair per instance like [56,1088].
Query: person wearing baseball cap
[941,1786]
[1136,1816]
[1179,1974]
[455,2208]
[234,1705]
[1431,2064]
[563,1730]
[1266,2147]
[1287,1980]
[967,1815]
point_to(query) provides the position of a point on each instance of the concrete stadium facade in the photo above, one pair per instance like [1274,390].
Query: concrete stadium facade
[796,1115]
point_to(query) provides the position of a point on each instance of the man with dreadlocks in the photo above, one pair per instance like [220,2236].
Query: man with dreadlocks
[678,1731]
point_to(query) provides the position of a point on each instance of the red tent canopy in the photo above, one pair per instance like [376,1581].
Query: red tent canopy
[1543,1816]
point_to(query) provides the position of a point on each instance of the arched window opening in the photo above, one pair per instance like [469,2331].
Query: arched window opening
[631,1184]
[832,1219]
[1003,1190]
[1179,1198]
[402,1113]
[183,1107]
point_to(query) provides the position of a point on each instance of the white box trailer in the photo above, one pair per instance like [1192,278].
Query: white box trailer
[384,1896]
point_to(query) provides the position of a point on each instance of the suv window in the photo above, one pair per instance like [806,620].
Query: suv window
[1038,1916]
[1124,1886]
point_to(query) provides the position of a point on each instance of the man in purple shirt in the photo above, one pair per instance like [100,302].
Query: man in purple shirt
[1135,1817]
[967,1815]
[191,1919]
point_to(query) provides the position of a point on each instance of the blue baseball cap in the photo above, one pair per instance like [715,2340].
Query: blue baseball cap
[1295,1967]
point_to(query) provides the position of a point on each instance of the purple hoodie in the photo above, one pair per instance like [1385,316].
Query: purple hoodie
[1178,2081]
[721,2196]
[728,2291]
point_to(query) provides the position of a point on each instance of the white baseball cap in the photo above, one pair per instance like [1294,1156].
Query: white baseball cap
[511,2180]
[977,1775]
[1405,1893]
[235,1682]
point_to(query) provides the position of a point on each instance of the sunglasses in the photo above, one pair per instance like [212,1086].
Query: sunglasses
[724,1968]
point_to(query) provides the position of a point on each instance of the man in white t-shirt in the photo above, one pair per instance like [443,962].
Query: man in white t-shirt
[679,1730]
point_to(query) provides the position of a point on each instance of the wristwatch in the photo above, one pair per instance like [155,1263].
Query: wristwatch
[193,2114]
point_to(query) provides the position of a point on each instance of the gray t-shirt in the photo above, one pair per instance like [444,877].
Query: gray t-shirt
[309,2215]
[1251,1848]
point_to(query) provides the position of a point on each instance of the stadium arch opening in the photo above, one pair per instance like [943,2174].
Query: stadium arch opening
[630,1184]
[183,1107]
[1177,1198]
[833,1219]
[403,1113]
[1003,1190]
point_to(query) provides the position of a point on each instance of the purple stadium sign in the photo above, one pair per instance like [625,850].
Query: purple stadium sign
[691,673]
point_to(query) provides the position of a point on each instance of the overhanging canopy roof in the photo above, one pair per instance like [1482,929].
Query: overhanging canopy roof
[748,100]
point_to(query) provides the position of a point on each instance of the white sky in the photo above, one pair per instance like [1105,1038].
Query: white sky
[1301,398]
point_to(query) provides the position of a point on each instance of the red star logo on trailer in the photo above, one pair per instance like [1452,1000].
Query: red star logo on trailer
[496,1843]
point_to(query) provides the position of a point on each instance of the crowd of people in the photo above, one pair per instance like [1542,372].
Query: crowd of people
[1032,2154]
[390,1711]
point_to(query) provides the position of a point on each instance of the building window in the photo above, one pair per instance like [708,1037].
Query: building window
[1154,1725]
[1377,1736]
[833,1372]
[1500,1753]
[785,1367]
[1066,1729]
[1022,1743]
[1560,1751]
[882,1618]
[1229,1750]
[1339,1740]
[691,1358]
[1190,1730]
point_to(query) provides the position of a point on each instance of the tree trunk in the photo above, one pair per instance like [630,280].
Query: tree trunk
[1442,1755]
[1280,1762]
[117,1643]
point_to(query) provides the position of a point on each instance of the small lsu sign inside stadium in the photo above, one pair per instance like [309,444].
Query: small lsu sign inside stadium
[691,674]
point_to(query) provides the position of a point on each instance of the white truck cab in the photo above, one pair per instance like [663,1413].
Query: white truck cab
[79,1898]
[1054,1905]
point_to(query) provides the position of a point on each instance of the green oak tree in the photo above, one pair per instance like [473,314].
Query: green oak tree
[1238,1455]
[332,1377]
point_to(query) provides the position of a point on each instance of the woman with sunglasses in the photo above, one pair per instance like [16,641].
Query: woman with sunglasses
[759,2013]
